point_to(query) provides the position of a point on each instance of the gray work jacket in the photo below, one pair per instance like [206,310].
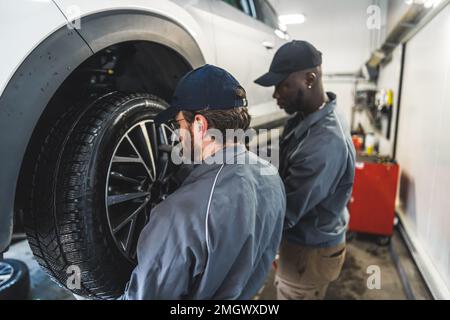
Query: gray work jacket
[317,163]
[216,236]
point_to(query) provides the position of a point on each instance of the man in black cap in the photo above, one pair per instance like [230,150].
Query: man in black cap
[317,167]
[216,236]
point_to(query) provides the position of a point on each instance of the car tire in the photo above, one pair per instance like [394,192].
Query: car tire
[14,280]
[69,222]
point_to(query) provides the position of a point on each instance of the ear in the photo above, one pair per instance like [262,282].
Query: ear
[310,78]
[200,124]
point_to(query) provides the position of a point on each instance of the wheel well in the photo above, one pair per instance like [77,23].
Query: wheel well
[132,66]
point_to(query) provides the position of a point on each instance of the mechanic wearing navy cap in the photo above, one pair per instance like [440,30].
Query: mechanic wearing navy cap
[216,236]
[317,167]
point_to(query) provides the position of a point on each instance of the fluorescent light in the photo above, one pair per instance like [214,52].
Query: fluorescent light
[426,3]
[431,3]
[292,19]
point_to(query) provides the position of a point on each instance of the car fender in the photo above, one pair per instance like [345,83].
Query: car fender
[40,74]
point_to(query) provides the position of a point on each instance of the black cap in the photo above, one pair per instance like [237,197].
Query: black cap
[208,87]
[291,57]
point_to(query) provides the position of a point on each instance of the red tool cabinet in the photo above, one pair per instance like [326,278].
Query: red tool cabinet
[372,206]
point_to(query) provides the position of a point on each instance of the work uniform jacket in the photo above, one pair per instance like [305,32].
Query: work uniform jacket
[216,236]
[317,163]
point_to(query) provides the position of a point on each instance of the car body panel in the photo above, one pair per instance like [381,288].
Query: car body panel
[238,37]
[188,14]
[22,103]
[24,24]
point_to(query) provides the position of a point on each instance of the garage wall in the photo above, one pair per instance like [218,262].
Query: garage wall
[423,149]
[337,28]
[344,90]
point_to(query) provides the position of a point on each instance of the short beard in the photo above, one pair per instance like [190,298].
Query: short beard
[296,105]
[187,152]
[196,152]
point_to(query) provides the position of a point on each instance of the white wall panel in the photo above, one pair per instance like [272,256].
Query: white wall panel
[424,142]
[344,91]
[337,28]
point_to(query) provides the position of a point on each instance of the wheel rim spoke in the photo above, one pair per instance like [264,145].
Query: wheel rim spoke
[154,138]
[119,159]
[131,175]
[6,272]
[121,177]
[163,129]
[119,198]
[140,157]
[163,134]
[130,217]
[129,241]
[148,147]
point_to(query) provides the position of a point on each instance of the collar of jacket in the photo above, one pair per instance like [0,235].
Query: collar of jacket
[224,155]
[314,117]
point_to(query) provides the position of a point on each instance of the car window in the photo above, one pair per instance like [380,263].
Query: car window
[242,5]
[266,14]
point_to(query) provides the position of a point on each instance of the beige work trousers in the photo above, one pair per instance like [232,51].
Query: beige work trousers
[304,273]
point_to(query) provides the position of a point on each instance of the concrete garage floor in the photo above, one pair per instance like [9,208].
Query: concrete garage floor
[361,253]
[42,287]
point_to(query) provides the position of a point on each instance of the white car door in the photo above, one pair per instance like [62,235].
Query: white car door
[246,41]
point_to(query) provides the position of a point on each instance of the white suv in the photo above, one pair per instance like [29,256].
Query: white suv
[82,161]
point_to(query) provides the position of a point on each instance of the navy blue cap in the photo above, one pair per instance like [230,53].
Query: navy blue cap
[208,87]
[293,56]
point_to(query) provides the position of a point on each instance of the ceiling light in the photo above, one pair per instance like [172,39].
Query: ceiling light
[426,3]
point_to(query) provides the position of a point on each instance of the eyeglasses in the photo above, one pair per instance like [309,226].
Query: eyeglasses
[175,123]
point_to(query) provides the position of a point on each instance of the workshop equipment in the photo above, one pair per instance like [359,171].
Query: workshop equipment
[372,205]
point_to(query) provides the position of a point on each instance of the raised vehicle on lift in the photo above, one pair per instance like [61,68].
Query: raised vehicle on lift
[82,161]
